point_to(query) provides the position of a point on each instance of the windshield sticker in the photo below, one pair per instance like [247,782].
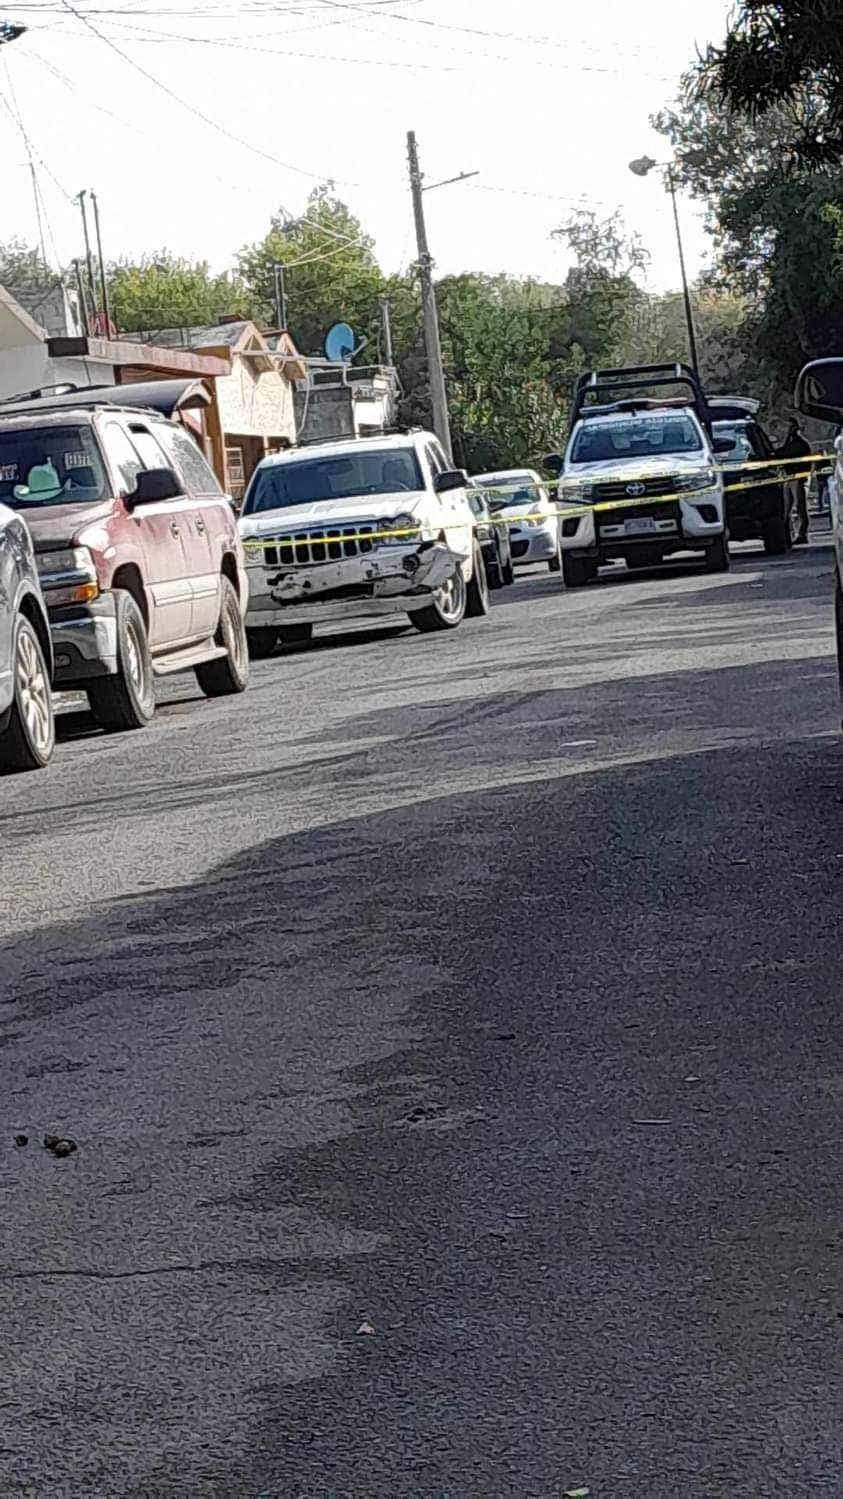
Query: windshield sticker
[77,459]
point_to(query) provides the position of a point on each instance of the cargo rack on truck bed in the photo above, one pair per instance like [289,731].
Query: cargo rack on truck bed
[601,392]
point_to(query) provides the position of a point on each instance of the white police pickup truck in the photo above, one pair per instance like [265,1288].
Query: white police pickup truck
[643,468]
[356,529]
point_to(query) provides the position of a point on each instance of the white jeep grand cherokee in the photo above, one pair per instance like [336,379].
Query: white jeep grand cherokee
[355,529]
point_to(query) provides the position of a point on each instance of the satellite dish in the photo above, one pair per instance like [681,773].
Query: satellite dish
[339,343]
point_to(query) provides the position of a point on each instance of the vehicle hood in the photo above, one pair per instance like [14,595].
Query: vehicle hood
[354,510]
[57,526]
[633,468]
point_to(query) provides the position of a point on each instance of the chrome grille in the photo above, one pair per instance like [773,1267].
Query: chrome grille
[619,489]
[320,544]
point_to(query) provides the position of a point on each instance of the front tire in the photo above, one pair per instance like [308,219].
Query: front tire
[577,571]
[262,643]
[127,699]
[477,598]
[717,555]
[447,609]
[228,674]
[29,737]
[555,563]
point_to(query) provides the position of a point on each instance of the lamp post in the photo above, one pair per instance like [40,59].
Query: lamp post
[641,168]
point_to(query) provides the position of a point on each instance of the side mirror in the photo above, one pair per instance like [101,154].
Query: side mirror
[819,390]
[154,484]
[722,444]
[553,463]
[453,478]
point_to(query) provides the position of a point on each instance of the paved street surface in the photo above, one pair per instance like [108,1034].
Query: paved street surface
[480,990]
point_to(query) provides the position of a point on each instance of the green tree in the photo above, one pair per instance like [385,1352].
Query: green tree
[164,291]
[22,265]
[775,52]
[331,271]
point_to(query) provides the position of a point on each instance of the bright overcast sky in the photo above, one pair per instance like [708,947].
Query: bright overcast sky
[546,100]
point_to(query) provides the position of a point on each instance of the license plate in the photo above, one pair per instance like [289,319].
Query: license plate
[639,526]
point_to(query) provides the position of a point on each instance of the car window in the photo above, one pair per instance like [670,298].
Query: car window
[122,455]
[338,476]
[742,449]
[636,437]
[150,452]
[50,466]
[184,456]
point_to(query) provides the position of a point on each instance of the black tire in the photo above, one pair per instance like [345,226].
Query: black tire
[717,555]
[509,572]
[28,736]
[577,571]
[296,635]
[494,574]
[555,563]
[776,536]
[447,609]
[262,643]
[228,674]
[477,600]
[126,700]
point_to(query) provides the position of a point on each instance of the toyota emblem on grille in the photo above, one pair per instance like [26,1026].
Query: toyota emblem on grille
[636,489]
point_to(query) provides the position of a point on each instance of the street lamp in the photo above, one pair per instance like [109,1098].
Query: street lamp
[9,32]
[641,168]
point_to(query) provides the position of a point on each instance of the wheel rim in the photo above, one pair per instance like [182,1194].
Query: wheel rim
[451,596]
[233,636]
[34,693]
[134,659]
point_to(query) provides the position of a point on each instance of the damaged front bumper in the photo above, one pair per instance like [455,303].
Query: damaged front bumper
[394,580]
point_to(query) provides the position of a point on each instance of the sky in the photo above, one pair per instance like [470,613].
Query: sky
[196,120]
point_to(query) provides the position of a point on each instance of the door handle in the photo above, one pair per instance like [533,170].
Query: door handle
[174,528]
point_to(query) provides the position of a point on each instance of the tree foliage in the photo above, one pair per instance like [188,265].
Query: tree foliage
[163,291]
[331,272]
[776,52]
[22,265]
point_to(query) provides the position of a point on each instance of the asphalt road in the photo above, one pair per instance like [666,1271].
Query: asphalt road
[478,990]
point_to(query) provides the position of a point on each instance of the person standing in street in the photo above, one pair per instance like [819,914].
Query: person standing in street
[795,445]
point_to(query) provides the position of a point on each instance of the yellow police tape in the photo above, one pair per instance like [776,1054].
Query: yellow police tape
[338,535]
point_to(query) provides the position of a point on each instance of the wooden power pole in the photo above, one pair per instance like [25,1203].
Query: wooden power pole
[438,397]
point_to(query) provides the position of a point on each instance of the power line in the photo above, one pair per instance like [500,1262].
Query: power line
[154,38]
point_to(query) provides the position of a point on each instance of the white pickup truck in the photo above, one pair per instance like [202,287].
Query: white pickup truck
[357,529]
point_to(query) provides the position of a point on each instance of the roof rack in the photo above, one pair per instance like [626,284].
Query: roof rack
[164,396]
[612,390]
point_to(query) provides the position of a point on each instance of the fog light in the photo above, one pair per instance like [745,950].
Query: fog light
[571,527]
[708,513]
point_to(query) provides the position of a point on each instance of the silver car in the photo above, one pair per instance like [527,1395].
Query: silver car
[520,497]
[27,727]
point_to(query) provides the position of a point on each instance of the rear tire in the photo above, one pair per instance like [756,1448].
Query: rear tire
[477,599]
[127,699]
[717,555]
[509,572]
[262,643]
[555,563]
[577,571]
[300,635]
[447,609]
[29,736]
[228,674]
[776,536]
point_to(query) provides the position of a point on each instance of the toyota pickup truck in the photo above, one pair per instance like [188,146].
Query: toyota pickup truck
[356,529]
[642,466]
[136,545]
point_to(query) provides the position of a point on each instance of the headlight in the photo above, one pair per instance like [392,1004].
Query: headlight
[707,479]
[578,491]
[68,577]
[405,523]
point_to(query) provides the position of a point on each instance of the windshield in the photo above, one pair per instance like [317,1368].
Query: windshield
[513,492]
[341,477]
[741,446]
[42,466]
[635,437]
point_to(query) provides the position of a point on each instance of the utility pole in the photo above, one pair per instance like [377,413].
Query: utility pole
[92,288]
[689,315]
[103,282]
[386,325]
[83,300]
[37,198]
[280,297]
[438,396]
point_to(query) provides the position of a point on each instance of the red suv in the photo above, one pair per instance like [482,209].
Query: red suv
[137,548]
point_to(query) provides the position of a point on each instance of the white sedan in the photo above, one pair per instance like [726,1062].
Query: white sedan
[534,527]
